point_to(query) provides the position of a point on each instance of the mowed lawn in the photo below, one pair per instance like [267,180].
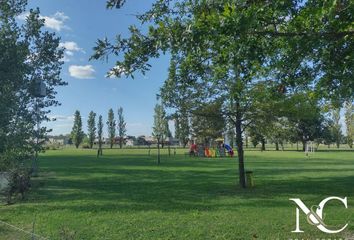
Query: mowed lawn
[125,195]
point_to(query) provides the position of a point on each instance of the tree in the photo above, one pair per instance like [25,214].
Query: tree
[111,123]
[122,130]
[214,64]
[182,129]
[30,61]
[222,48]
[256,138]
[336,127]
[349,123]
[100,134]
[327,137]
[141,141]
[279,131]
[207,123]
[91,128]
[159,127]
[305,118]
[228,76]
[76,133]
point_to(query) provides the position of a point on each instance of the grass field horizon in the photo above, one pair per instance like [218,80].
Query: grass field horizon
[125,195]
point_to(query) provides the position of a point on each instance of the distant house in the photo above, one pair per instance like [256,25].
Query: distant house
[170,140]
[55,141]
[150,140]
[173,141]
[129,142]
[104,141]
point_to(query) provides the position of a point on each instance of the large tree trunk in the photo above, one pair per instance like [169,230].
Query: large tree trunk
[276,146]
[303,145]
[239,142]
[263,144]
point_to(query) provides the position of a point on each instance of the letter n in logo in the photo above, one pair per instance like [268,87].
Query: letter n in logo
[316,217]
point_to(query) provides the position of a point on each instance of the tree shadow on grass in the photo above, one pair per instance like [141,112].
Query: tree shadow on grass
[182,199]
[133,182]
[167,188]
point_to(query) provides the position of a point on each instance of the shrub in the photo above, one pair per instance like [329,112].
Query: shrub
[18,184]
[52,146]
[85,145]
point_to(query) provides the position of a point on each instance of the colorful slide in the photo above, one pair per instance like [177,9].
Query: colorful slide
[212,153]
[207,152]
[229,150]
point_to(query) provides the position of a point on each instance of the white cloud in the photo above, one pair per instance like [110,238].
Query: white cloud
[55,22]
[70,47]
[69,53]
[82,72]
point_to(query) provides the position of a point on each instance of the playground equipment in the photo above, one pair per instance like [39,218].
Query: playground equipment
[229,150]
[210,152]
[219,151]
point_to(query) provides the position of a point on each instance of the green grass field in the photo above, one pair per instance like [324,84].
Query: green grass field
[125,195]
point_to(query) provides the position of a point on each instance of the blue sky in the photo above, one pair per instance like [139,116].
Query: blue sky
[80,23]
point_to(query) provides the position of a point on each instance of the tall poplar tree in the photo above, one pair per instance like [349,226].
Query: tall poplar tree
[91,128]
[122,127]
[111,124]
[100,134]
[77,134]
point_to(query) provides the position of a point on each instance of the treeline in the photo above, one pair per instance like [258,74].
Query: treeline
[277,123]
[303,122]
[116,129]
